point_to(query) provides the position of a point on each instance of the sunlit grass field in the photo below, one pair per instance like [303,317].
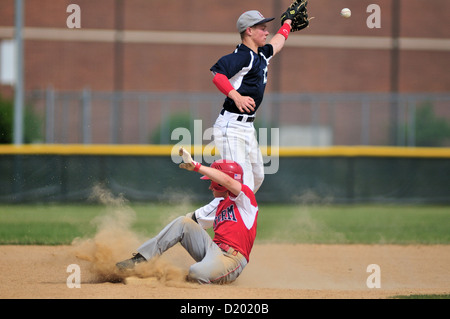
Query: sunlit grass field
[54,224]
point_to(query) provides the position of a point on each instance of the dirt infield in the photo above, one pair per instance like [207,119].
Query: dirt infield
[275,271]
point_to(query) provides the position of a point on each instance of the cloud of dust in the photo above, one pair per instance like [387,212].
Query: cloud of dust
[163,269]
[114,241]
[181,202]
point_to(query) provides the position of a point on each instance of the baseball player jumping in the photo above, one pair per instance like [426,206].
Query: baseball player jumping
[222,259]
[242,77]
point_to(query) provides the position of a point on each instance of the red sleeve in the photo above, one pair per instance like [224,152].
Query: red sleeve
[222,83]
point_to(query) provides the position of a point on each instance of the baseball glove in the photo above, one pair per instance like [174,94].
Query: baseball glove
[298,13]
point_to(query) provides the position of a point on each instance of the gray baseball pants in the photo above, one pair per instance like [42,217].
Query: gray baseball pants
[213,265]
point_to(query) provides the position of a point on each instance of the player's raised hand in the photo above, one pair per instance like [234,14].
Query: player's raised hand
[187,159]
[188,163]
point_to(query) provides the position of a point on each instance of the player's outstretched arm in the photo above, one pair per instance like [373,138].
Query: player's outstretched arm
[279,39]
[221,178]
[217,176]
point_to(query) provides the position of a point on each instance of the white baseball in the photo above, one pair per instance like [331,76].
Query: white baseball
[346,13]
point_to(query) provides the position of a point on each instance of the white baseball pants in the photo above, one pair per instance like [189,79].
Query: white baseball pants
[236,140]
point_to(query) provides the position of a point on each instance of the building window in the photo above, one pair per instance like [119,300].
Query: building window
[7,62]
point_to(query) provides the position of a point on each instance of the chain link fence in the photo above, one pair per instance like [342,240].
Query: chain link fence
[303,119]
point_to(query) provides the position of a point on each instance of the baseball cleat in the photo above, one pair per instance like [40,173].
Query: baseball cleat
[129,264]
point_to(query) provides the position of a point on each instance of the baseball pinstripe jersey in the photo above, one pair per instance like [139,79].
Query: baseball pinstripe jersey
[235,221]
[247,73]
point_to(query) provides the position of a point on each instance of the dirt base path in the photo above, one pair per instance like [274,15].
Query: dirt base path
[274,271]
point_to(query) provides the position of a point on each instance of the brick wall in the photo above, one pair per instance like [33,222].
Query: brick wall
[106,65]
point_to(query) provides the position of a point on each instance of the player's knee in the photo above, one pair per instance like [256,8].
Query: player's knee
[187,221]
[183,223]
[182,219]
[187,224]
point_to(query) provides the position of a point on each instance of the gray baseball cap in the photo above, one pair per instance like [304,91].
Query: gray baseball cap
[250,19]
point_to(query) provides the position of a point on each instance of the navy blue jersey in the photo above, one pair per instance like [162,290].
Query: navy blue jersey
[247,73]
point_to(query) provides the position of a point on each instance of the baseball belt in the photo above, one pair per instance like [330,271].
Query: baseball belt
[228,249]
[240,118]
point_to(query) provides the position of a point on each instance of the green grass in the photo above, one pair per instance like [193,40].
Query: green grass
[331,224]
[44,224]
[60,224]
[368,224]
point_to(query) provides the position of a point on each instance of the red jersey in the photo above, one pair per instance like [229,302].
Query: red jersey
[235,221]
